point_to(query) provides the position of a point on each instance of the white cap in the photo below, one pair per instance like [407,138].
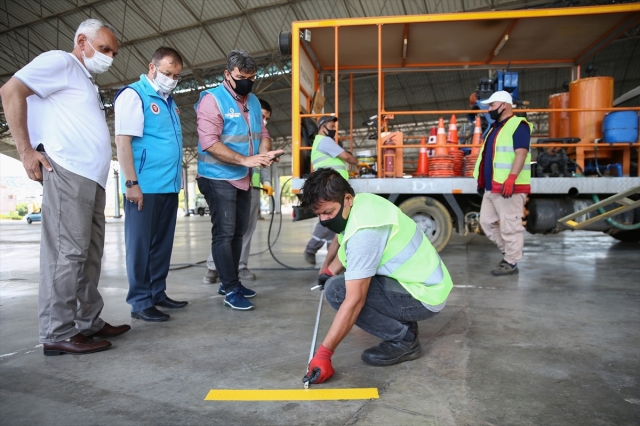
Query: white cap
[500,96]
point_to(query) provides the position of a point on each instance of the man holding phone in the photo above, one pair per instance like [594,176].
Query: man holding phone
[260,180]
[232,140]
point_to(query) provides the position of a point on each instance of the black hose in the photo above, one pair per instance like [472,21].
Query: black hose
[178,266]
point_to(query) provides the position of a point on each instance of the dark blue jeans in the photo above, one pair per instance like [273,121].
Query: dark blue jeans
[230,210]
[387,310]
[148,238]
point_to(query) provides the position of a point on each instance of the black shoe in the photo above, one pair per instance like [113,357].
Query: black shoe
[413,327]
[150,314]
[170,303]
[390,353]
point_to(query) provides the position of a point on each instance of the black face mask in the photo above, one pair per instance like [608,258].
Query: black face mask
[337,223]
[494,114]
[331,133]
[243,87]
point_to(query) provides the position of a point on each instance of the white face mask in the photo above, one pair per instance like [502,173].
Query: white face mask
[98,63]
[264,120]
[165,84]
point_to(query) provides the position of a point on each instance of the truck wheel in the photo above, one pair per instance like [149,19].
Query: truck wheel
[201,211]
[627,236]
[432,218]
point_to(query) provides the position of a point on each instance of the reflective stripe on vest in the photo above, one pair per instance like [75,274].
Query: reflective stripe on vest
[401,258]
[236,135]
[504,154]
[408,256]
[318,159]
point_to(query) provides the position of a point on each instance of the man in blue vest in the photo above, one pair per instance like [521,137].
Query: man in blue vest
[261,179]
[149,143]
[232,139]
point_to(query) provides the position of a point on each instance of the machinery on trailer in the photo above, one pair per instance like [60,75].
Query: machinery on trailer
[501,43]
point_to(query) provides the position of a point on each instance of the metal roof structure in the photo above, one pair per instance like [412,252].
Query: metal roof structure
[205,30]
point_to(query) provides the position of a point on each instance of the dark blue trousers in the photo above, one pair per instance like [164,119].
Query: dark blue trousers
[148,236]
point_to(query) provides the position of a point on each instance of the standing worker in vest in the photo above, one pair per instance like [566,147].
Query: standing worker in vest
[149,143]
[260,179]
[232,139]
[394,276]
[326,153]
[57,120]
[503,171]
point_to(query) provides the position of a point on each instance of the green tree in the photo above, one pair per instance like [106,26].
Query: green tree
[22,209]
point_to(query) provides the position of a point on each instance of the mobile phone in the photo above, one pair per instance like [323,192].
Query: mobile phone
[277,156]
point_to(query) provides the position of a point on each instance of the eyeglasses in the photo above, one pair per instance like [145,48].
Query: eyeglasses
[173,77]
[100,99]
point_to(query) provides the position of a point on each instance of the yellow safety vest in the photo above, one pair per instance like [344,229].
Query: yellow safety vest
[504,155]
[318,159]
[255,178]
[408,256]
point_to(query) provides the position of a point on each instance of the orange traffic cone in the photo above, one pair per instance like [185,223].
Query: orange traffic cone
[452,137]
[441,139]
[432,140]
[423,161]
[477,136]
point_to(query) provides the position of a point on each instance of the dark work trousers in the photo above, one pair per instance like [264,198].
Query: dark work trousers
[388,309]
[230,209]
[148,236]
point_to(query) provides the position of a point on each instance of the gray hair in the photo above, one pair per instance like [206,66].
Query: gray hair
[242,60]
[90,28]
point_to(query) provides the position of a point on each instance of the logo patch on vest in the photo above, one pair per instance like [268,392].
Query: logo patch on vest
[155,108]
[232,114]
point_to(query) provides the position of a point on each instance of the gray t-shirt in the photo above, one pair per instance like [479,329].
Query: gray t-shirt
[364,252]
[329,147]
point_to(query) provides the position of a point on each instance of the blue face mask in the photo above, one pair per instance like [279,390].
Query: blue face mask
[337,223]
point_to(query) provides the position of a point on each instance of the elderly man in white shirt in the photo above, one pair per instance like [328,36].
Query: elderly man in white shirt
[56,117]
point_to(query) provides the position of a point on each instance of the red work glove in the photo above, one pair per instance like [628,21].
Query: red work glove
[508,185]
[320,368]
[325,274]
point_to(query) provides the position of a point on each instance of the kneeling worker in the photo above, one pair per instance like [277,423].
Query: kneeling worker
[394,276]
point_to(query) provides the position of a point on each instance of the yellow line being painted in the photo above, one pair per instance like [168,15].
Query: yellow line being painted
[290,394]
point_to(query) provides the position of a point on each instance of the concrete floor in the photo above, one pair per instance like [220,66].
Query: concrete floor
[557,345]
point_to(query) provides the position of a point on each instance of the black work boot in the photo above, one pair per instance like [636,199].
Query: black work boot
[392,352]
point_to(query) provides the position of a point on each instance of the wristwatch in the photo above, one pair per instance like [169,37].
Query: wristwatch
[131,183]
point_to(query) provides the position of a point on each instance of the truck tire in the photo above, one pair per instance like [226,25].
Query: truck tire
[432,218]
[627,236]
[201,211]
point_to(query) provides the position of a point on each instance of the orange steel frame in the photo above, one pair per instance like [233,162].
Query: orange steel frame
[380,21]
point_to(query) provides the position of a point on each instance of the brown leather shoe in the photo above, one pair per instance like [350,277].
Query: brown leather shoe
[109,330]
[77,344]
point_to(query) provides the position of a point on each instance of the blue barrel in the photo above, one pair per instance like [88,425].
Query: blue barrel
[620,126]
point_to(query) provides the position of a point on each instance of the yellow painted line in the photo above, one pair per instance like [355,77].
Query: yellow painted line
[290,394]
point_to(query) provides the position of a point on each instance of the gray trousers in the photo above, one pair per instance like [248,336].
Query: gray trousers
[321,235]
[254,212]
[71,247]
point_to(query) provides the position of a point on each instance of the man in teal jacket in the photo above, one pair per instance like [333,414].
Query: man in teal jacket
[149,143]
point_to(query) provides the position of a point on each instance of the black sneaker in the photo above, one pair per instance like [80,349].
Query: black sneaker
[505,268]
[390,353]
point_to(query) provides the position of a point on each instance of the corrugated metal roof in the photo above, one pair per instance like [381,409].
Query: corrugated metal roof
[205,30]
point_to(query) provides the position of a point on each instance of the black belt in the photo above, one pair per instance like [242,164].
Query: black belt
[40,148]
